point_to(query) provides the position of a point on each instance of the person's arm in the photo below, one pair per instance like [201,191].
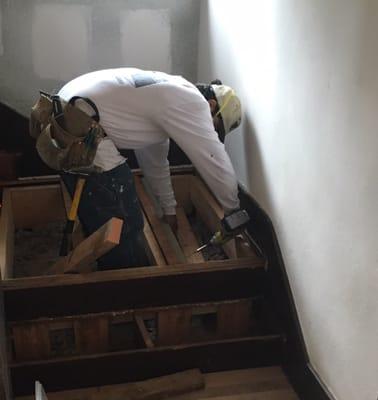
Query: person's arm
[191,127]
[154,163]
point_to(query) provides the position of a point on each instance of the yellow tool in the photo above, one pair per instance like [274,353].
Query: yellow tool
[66,244]
[231,225]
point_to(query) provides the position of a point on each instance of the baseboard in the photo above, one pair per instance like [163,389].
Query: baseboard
[307,383]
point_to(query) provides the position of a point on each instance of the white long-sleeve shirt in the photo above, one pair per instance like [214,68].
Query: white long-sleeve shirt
[141,110]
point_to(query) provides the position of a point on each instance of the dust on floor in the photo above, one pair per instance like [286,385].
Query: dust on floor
[37,249]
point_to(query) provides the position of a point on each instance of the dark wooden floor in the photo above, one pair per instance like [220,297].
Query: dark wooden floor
[248,384]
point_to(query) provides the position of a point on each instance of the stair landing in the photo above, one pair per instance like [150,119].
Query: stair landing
[246,384]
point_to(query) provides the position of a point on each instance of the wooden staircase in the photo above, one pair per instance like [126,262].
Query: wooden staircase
[112,327]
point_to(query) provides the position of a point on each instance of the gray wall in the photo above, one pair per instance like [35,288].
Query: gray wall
[44,44]
[307,73]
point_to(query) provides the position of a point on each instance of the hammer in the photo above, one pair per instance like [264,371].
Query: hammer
[66,244]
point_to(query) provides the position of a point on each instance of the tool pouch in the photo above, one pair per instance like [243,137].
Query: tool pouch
[67,137]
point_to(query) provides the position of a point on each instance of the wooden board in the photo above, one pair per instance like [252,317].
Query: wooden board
[31,341]
[91,332]
[252,382]
[93,247]
[157,225]
[7,230]
[37,206]
[187,239]
[92,335]
[131,366]
[212,281]
[154,252]
[210,212]
[234,319]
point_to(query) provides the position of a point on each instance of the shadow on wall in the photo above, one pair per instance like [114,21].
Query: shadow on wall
[256,176]
[18,156]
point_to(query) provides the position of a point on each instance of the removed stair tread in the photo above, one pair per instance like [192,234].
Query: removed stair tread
[93,247]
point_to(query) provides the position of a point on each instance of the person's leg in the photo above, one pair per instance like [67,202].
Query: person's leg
[113,194]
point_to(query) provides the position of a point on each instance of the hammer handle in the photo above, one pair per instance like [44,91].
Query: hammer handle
[76,199]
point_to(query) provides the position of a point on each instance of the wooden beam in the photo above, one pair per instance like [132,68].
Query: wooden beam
[210,212]
[132,288]
[131,366]
[7,230]
[154,252]
[93,247]
[187,239]
[130,314]
[157,225]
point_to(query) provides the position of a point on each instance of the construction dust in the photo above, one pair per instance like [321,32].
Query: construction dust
[36,249]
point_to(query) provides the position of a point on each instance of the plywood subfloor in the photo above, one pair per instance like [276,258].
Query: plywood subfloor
[247,384]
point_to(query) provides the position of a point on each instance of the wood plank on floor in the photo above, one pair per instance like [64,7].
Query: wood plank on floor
[268,383]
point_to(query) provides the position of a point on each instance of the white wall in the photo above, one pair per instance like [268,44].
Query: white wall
[307,73]
[45,43]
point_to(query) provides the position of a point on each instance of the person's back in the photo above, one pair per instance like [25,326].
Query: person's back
[143,110]
[132,102]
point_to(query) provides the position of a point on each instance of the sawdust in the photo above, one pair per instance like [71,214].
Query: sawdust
[37,249]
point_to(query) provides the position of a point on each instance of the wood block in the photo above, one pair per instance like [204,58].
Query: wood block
[186,238]
[174,326]
[31,341]
[234,319]
[93,247]
[92,335]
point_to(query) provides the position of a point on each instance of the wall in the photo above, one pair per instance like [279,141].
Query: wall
[307,73]
[43,43]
